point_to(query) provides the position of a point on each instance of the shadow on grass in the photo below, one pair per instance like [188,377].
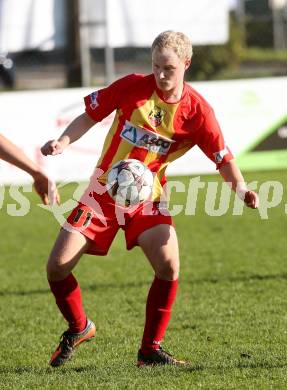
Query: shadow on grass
[241,365]
[45,371]
[23,292]
[92,287]
[99,286]
[4,370]
[239,278]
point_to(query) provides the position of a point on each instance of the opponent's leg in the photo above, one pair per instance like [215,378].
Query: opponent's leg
[64,256]
[161,248]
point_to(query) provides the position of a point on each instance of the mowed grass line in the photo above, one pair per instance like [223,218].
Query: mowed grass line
[229,319]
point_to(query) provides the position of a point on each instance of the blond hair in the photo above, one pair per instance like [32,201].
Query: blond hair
[177,41]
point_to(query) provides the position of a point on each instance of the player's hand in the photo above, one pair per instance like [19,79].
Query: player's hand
[251,199]
[52,148]
[46,189]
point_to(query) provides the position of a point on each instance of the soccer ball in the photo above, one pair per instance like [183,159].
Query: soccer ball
[130,182]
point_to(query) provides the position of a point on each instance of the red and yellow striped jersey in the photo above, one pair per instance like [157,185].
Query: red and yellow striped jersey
[151,130]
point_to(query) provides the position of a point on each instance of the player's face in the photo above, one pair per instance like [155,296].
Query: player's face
[168,69]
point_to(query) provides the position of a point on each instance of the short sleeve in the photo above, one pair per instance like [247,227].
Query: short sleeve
[101,103]
[211,141]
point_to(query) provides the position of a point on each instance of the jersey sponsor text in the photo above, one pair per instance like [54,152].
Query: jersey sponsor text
[143,138]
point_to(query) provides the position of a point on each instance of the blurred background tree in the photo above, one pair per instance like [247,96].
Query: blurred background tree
[253,49]
[211,61]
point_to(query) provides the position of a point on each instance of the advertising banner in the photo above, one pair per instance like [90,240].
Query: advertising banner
[252,115]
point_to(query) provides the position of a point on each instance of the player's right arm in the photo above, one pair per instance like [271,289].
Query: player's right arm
[99,105]
[75,130]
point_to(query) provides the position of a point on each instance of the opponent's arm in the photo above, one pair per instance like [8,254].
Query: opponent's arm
[14,155]
[232,175]
[45,188]
[76,129]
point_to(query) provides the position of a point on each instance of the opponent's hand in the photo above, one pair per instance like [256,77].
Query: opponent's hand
[251,199]
[46,189]
[52,148]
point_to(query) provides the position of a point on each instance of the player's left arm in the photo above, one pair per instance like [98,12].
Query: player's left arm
[233,176]
[44,187]
[211,141]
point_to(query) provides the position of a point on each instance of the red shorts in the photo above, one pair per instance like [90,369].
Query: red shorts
[101,220]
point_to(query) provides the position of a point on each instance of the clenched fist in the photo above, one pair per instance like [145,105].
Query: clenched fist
[52,148]
[251,199]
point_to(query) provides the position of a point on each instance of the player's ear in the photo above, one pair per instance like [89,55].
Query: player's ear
[187,64]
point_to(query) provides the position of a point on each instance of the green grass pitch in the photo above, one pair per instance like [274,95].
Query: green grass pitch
[229,320]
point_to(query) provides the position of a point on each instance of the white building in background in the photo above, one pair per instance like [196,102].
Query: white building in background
[40,24]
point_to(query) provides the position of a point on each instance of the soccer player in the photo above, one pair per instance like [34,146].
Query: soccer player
[44,187]
[158,118]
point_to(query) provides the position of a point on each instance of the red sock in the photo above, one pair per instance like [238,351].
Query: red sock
[67,293]
[158,312]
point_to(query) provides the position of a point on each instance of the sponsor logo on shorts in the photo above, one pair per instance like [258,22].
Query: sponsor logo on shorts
[218,156]
[156,116]
[94,103]
[146,139]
